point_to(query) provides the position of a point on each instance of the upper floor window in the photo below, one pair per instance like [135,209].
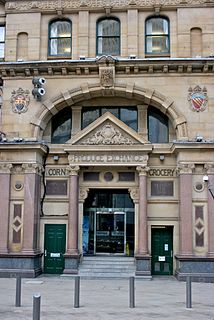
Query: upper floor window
[158,126]
[108,37]
[126,114]
[61,126]
[2,41]
[60,32]
[157,35]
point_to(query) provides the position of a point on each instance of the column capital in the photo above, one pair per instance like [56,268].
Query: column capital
[209,167]
[185,168]
[142,170]
[32,168]
[5,167]
[73,170]
[134,194]
[142,107]
[83,194]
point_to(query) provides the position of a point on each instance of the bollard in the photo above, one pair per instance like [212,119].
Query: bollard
[131,293]
[77,292]
[36,306]
[18,291]
[188,292]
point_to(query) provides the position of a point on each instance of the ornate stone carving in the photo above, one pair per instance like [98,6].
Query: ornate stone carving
[108,135]
[83,194]
[2,135]
[143,170]
[67,4]
[134,194]
[185,168]
[20,100]
[106,77]
[5,167]
[197,98]
[209,167]
[32,168]
[73,170]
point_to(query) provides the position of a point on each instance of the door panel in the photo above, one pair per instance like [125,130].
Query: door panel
[54,248]
[162,251]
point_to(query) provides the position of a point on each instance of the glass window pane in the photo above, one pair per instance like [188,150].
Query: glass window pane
[108,27]
[108,37]
[158,127]
[60,29]
[159,44]
[61,127]
[1,50]
[2,34]
[88,116]
[114,111]
[109,46]
[129,117]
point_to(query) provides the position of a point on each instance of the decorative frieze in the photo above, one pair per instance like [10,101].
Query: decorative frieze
[209,168]
[185,168]
[67,4]
[32,168]
[5,167]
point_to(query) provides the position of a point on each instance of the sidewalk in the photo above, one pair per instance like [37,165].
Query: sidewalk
[107,299]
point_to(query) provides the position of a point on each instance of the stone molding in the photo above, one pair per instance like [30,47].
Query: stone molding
[83,194]
[209,167]
[134,194]
[73,170]
[68,5]
[5,168]
[143,170]
[185,168]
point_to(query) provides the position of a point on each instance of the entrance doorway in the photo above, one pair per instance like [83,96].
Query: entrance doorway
[162,251]
[54,248]
[108,223]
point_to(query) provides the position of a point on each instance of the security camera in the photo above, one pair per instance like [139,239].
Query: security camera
[38,92]
[205,178]
[38,81]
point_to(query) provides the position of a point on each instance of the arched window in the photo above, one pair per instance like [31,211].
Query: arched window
[60,33]
[157,126]
[157,35]
[61,126]
[108,37]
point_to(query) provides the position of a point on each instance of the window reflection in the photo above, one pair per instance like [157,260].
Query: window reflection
[60,38]
[157,35]
[108,37]
[158,126]
[61,126]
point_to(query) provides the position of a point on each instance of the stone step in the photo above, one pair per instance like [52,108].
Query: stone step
[104,269]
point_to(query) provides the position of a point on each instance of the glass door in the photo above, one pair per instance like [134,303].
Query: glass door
[110,232]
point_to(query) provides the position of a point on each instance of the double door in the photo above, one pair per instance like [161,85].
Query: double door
[110,232]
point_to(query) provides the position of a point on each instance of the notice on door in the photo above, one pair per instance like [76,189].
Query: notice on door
[161,258]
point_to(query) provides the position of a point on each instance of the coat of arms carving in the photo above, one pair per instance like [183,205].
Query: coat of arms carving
[198,98]
[107,77]
[20,100]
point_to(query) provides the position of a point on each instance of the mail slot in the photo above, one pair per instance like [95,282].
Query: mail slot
[55,255]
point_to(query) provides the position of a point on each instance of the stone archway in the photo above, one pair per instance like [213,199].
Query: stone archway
[89,91]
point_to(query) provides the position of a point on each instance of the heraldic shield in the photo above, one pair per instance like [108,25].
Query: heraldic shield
[198,98]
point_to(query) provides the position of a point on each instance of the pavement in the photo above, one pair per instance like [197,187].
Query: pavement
[106,299]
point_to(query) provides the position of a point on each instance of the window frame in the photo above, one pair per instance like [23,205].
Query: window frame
[50,55]
[109,36]
[166,36]
[3,41]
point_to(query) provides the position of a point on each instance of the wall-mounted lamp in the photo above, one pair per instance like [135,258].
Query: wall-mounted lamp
[132,56]
[162,157]
[56,158]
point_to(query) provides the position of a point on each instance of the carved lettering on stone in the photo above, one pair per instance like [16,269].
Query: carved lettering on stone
[108,135]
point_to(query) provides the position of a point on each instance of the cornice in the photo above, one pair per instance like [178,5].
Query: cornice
[67,5]
[90,67]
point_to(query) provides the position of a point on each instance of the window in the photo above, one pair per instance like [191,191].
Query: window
[61,126]
[157,35]
[108,37]
[2,41]
[126,114]
[157,126]
[60,38]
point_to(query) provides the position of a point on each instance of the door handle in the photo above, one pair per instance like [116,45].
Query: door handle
[171,254]
[45,253]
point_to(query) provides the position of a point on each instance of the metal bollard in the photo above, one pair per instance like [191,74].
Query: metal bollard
[188,292]
[36,306]
[131,293]
[18,291]
[77,292]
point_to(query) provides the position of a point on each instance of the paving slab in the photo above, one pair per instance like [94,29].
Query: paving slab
[107,299]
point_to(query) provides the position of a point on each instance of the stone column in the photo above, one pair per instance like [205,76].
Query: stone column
[72,250]
[186,223]
[210,173]
[134,194]
[142,217]
[142,121]
[76,119]
[5,170]
[31,215]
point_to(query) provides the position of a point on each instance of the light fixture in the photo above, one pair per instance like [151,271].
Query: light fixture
[162,157]
[199,138]
[82,57]
[132,56]
[56,158]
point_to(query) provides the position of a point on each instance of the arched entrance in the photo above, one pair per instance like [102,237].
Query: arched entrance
[108,223]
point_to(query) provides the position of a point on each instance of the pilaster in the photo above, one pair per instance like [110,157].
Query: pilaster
[210,172]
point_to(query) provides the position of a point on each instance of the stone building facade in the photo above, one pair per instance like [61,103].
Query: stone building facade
[106,142]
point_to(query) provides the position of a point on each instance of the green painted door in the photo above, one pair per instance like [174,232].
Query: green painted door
[54,248]
[162,251]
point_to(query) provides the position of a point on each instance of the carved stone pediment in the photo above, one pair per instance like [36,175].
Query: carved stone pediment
[107,130]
